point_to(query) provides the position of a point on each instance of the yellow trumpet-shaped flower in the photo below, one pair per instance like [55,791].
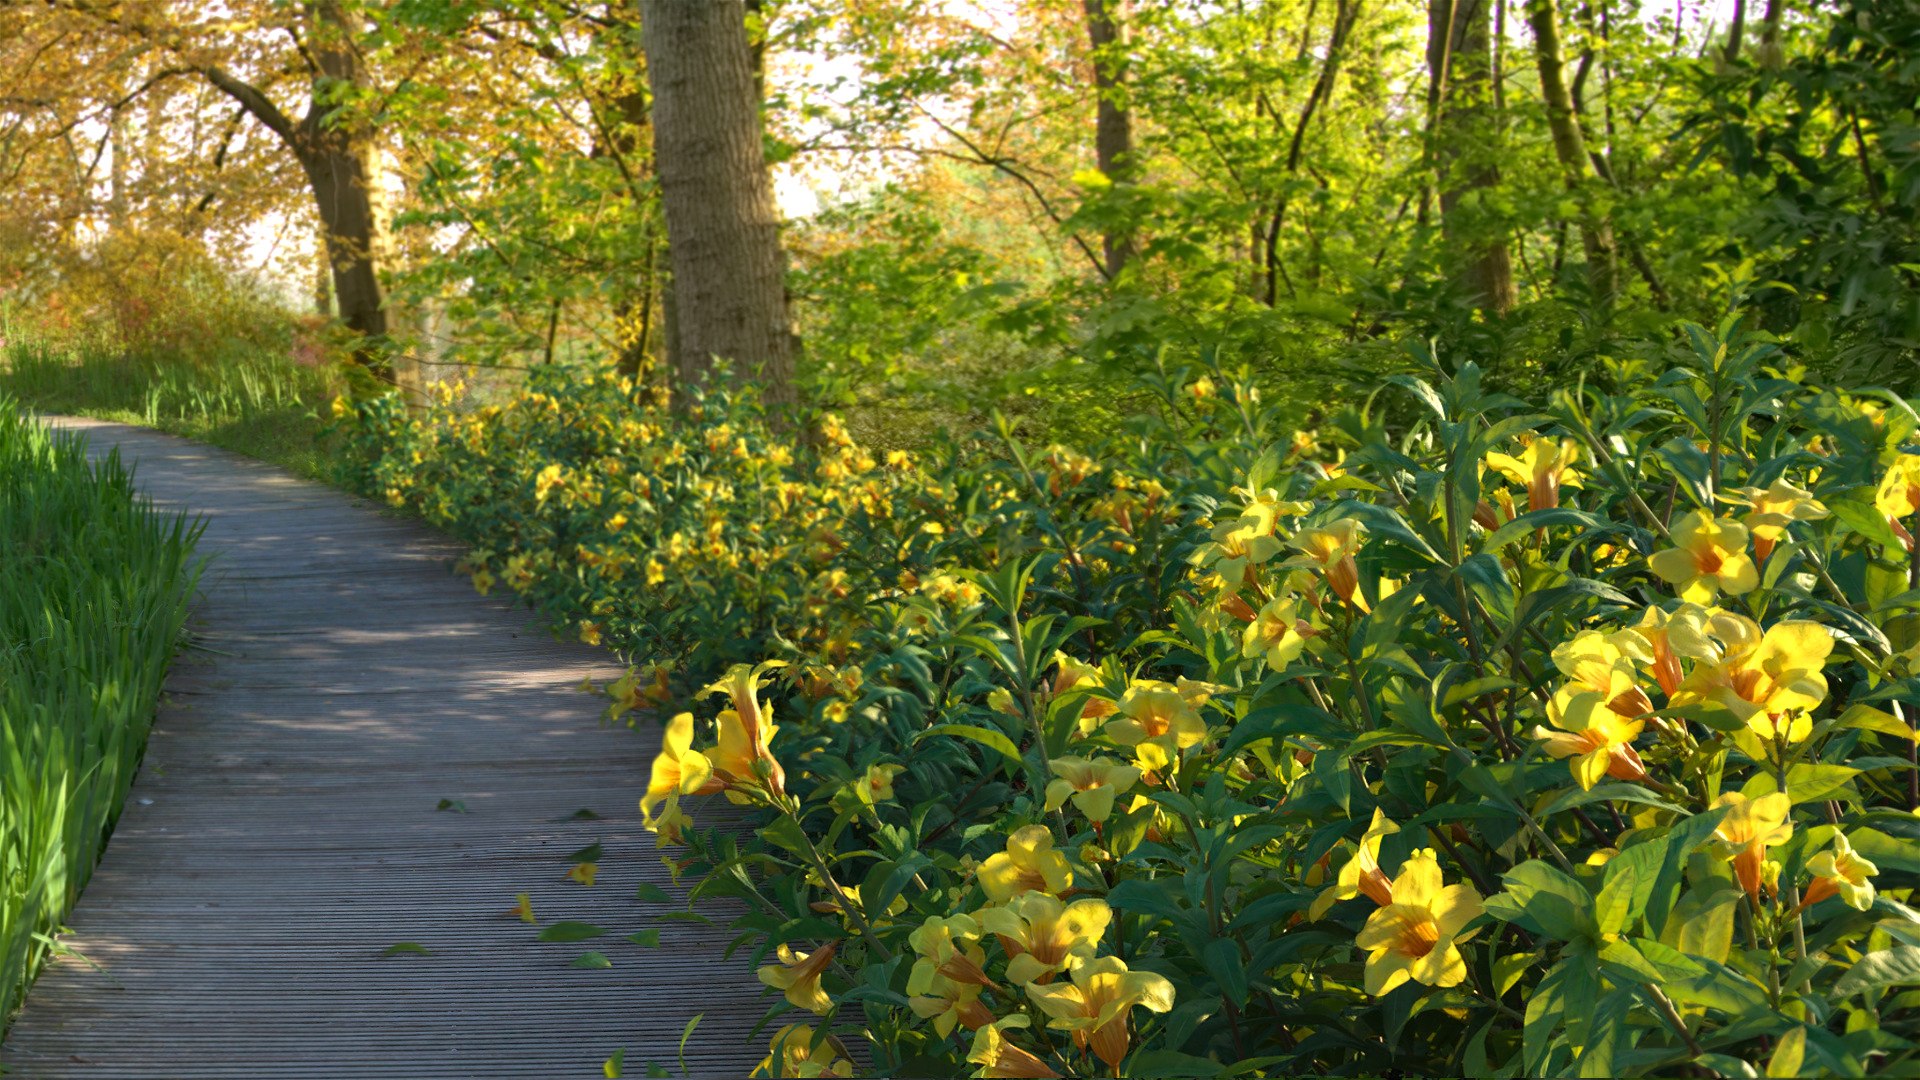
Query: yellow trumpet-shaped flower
[1239,546]
[1151,709]
[1543,467]
[877,786]
[1595,663]
[1770,680]
[1709,557]
[1844,871]
[1042,936]
[798,974]
[1418,936]
[1771,509]
[793,1046]
[949,1004]
[997,1055]
[678,769]
[744,756]
[1899,494]
[1597,739]
[1094,1006]
[1029,864]
[1749,829]
[1277,633]
[947,948]
[1670,636]
[1092,784]
[1361,875]
[1330,550]
[672,824]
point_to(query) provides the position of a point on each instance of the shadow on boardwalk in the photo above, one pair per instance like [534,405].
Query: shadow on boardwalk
[283,829]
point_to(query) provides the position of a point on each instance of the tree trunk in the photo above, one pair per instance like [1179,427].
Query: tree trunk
[1466,119]
[723,235]
[1113,124]
[1570,147]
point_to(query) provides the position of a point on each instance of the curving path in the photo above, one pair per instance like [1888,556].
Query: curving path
[283,831]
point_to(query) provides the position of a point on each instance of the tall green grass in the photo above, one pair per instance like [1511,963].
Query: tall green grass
[252,401]
[94,586]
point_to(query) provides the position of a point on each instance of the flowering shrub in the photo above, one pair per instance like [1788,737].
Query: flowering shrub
[1494,740]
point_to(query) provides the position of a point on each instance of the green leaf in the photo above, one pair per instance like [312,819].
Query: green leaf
[652,894]
[1898,966]
[1788,1054]
[1886,852]
[569,931]
[1526,523]
[1553,902]
[593,960]
[452,805]
[684,1036]
[987,737]
[590,853]
[403,948]
[646,939]
[615,1066]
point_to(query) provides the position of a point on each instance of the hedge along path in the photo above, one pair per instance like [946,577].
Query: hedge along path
[283,830]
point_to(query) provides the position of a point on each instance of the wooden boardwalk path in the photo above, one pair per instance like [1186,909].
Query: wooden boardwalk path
[283,831]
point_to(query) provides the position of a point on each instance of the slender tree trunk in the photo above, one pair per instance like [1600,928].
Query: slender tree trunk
[1466,141]
[723,234]
[335,155]
[1736,30]
[1113,125]
[1570,147]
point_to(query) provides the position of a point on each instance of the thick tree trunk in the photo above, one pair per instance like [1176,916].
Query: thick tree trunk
[339,176]
[1113,122]
[1465,118]
[723,235]
[1570,147]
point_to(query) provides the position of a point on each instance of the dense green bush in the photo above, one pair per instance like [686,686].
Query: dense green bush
[1461,737]
[93,592]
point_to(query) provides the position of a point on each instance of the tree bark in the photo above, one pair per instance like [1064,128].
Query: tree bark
[1465,120]
[723,234]
[1570,148]
[1113,122]
[335,155]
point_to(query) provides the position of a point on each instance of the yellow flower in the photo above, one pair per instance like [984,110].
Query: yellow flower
[1841,870]
[1277,633]
[1598,739]
[948,1003]
[1899,494]
[1361,875]
[948,974]
[744,756]
[678,769]
[1772,509]
[590,632]
[1543,468]
[1710,557]
[1151,709]
[878,785]
[549,478]
[523,909]
[617,522]
[793,1045]
[1670,636]
[1028,864]
[1092,784]
[1595,663]
[1094,1006]
[1418,935]
[584,873]
[798,974]
[672,824]
[1749,829]
[1042,936]
[997,1056]
[482,581]
[1201,388]
[1331,549]
[1769,680]
[1238,546]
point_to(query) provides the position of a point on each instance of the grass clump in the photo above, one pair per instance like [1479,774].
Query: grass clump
[93,593]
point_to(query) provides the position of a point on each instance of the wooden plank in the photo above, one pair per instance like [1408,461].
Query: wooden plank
[283,830]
